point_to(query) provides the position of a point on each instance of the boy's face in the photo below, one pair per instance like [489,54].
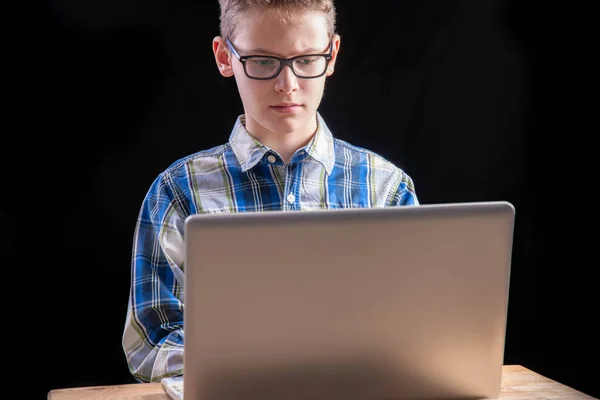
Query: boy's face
[284,105]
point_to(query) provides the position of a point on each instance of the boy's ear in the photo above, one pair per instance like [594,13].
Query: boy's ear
[336,49]
[222,56]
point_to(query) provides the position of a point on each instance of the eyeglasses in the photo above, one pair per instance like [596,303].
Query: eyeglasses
[307,66]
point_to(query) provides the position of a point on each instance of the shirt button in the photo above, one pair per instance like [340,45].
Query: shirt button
[271,158]
[291,198]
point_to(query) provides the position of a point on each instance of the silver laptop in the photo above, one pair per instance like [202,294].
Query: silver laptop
[352,304]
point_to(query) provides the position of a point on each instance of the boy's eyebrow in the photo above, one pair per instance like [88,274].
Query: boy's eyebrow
[267,52]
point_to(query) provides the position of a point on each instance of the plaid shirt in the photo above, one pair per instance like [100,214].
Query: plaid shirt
[241,175]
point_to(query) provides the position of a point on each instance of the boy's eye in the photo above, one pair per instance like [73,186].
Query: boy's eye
[263,62]
[307,60]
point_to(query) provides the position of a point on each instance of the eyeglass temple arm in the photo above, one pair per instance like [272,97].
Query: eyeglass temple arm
[233,50]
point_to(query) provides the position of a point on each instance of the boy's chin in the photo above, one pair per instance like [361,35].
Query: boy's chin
[290,124]
[287,123]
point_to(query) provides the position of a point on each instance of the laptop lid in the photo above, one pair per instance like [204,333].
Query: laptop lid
[380,303]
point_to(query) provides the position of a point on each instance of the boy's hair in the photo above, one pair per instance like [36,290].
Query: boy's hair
[231,12]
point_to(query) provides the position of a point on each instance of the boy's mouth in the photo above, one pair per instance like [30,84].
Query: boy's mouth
[287,107]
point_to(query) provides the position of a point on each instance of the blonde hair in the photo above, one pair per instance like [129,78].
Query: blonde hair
[232,10]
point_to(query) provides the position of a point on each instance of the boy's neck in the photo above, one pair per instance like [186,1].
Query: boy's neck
[284,145]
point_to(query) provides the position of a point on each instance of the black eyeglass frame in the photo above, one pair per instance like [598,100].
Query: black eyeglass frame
[282,62]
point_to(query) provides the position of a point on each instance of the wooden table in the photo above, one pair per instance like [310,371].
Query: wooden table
[518,382]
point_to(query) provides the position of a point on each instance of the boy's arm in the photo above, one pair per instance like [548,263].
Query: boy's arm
[153,335]
[405,194]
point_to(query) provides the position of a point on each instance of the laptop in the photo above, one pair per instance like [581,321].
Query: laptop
[354,304]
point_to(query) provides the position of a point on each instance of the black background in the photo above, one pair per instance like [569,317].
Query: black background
[471,98]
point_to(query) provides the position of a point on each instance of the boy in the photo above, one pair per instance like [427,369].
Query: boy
[280,156]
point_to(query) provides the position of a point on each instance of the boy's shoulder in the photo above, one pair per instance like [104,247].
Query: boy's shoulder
[342,148]
[205,154]
[383,169]
[361,153]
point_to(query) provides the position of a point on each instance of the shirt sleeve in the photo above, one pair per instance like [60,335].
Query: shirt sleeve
[153,334]
[405,194]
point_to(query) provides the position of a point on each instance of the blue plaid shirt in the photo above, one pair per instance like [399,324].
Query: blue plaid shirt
[241,175]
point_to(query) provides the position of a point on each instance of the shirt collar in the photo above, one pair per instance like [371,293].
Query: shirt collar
[247,150]
[250,151]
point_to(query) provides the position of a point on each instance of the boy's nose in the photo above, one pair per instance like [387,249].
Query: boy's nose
[286,81]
